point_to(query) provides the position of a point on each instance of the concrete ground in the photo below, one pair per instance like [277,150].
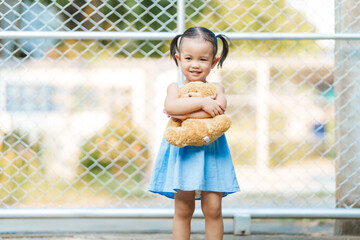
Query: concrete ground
[161,236]
[161,230]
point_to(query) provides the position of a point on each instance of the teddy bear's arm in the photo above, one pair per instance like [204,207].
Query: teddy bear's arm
[178,106]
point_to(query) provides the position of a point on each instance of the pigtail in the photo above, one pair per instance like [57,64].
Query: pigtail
[174,47]
[225,49]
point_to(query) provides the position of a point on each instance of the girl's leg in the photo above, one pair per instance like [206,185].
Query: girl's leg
[211,207]
[184,209]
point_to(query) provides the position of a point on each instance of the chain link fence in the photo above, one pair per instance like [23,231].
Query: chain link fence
[81,115]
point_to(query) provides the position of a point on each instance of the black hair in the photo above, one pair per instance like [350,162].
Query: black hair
[207,35]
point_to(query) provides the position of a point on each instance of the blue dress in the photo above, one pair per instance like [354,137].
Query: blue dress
[205,168]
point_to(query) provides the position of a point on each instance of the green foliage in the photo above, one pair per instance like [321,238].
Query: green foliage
[129,15]
[158,16]
[253,16]
[117,157]
[247,16]
[19,164]
[132,15]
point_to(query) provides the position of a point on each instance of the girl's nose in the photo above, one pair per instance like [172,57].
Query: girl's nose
[195,64]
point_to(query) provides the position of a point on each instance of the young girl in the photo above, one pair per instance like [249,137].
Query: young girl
[191,172]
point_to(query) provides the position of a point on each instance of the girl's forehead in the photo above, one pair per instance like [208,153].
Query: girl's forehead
[195,44]
[198,40]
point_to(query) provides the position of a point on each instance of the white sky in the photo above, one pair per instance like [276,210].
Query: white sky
[318,12]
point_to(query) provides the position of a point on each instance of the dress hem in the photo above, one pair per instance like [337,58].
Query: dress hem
[171,195]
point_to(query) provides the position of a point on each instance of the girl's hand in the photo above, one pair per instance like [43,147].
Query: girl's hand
[212,106]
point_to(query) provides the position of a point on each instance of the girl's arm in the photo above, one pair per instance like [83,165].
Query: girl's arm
[220,96]
[198,114]
[179,106]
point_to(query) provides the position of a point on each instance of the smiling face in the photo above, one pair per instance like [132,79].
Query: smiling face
[196,59]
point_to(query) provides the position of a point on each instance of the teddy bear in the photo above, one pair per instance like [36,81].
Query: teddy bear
[196,132]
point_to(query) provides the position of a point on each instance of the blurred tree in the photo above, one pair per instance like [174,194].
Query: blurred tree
[253,16]
[20,167]
[157,16]
[247,16]
[117,157]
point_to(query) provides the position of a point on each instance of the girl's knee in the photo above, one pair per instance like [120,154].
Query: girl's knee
[184,212]
[184,204]
[211,205]
[212,212]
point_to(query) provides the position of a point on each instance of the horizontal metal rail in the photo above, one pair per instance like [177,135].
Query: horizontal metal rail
[293,36]
[337,213]
[88,35]
[170,35]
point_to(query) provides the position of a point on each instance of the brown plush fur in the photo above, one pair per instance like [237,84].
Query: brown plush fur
[196,132]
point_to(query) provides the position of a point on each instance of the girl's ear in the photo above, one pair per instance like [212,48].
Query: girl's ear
[215,61]
[177,56]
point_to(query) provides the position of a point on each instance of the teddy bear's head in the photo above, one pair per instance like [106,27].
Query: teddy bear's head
[197,89]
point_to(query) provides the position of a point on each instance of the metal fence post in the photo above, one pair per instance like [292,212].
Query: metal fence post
[181,16]
[242,224]
[347,82]
[180,28]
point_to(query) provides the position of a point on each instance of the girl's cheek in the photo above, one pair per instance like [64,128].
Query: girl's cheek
[206,65]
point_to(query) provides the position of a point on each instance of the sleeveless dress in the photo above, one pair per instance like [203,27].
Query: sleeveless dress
[205,168]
